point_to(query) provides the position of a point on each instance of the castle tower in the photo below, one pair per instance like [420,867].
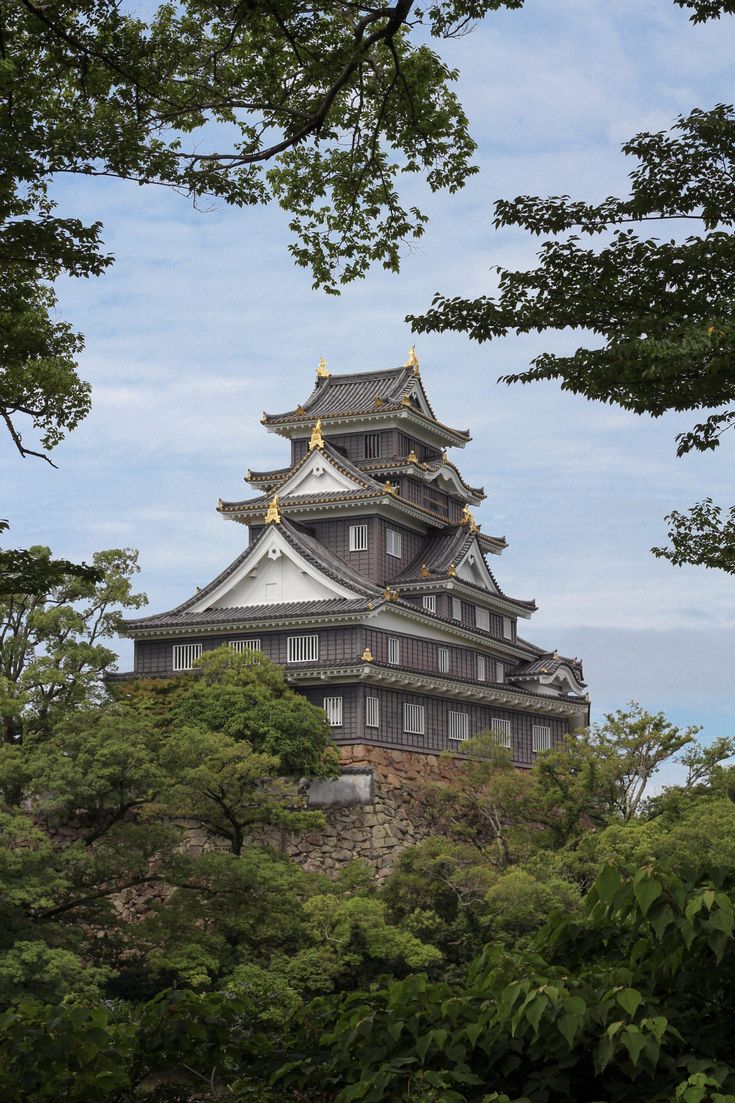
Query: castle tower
[366,576]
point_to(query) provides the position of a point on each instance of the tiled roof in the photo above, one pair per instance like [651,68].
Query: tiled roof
[245,614]
[443,549]
[547,663]
[401,464]
[360,393]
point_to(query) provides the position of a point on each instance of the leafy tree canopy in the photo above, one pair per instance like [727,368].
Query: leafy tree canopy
[657,304]
[319,109]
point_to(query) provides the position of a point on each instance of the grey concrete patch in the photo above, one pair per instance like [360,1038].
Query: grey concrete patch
[353,787]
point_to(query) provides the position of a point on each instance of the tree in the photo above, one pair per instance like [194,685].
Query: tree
[320,109]
[52,654]
[661,309]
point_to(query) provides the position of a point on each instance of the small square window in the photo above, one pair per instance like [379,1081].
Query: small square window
[507,628]
[372,712]
[429,603]
[482,619]
[443,660]
[501,731]
[358,538]
[393,543]
[499,672]
[413,719]
[459,725]
[372,446]
[541,738]
[456,609]
[481,668]
[302,649]
[394,651]
[185,655]
[333,709]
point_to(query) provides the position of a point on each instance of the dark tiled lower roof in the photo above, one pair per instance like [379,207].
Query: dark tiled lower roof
[547,662]
[389,464]
[244,614]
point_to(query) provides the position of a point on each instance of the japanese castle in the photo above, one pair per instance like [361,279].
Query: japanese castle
[367,577]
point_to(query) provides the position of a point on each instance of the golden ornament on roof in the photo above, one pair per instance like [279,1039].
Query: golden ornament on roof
[468,518]
[413,360]
[451,570]
[389,489]
[378,401]
[273,513]
[321,371]
[367,655]
[300,410]
[405,401]
[424,572]
[390,595]
[317,440]
[445,456]
[220,504]
[412,457]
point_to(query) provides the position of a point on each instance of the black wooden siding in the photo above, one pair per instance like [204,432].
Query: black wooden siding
[436,714]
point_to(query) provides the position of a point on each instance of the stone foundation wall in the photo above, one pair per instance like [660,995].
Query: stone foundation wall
[378,830]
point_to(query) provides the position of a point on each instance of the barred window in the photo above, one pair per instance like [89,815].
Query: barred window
[429,603]
[482,619]
[501,731]
[481,668]
[413,719]
[507,628]
[393,543]
[372,712]
[541,738]
[185,655]
[333,709]
[302,649]
[244,645]
[394,651]
[372,446]
[456,609]
[443,660]
[499,672]
[459,725]
[358,537]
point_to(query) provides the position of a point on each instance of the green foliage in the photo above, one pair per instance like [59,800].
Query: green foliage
[320,110]
[633,1000]
[52,651]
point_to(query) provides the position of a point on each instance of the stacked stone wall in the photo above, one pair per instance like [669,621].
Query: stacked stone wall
[377,830]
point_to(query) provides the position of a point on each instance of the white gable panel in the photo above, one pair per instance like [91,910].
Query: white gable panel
[317,476]
[274,573]
[474,569]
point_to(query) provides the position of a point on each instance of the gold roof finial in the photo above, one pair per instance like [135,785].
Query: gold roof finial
[367,655]
[273,513]
[412,457]
[317,440]
[424,572]
[321,371]
[445,456]
[413,361]
[220,504]
[468,518]
[451,570]
[389,488]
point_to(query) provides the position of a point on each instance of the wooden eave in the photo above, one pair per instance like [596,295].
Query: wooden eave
[299,425]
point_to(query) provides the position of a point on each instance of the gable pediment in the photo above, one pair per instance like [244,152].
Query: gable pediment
[473,568]
[318,474]
[275,573]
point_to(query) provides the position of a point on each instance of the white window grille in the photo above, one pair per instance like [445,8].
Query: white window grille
[244,646]
[499,672]
[302,649]
[481,668]
[333,709]
[482,619]
[541,738]
[393,543]
[501,731]
[429,603]
[507,628]
[443,660]
[372,712]
[413,719]
[394,651]
[358,538]
[456,609]
[459,725]
[372,446]
[185,655]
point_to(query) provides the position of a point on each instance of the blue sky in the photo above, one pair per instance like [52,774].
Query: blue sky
[204,322]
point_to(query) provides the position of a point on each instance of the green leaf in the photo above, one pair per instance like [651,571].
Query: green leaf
[630,1000]
[646,891]
[634,1042]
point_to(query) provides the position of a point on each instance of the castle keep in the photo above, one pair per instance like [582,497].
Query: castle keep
[367,577]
